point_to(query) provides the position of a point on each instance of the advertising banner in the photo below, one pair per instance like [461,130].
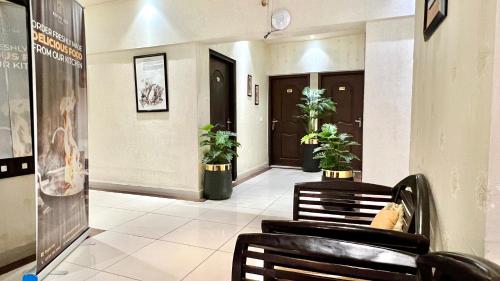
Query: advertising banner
[61,104]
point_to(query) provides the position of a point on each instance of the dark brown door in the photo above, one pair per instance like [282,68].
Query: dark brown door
[285,129]
[347,91]
[223,94]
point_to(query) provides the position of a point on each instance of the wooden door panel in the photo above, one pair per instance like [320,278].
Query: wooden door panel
[347,91]
[285,134]
[289,149]
[219,93]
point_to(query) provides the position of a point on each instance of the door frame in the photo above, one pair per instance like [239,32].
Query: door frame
[233,96]
[270,108]
[350,72]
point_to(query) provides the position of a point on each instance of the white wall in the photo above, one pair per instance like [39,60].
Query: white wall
[252,120]
[127,24]
[492,239]
[154,151]
[388,92]
[17,218]
[450,139]
[324,55]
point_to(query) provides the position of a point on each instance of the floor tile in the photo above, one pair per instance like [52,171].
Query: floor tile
[145,203]
[203,234]
[283,204]
[107,199]
[106,249]
[103,276]
[151,225]
[217,267]
[183,209]
[161,261]
[71,272]
[250,200]
[231,243]
[270,215]
[230,214]
[112,218]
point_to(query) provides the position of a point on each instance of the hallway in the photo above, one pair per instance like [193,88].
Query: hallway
[150,238]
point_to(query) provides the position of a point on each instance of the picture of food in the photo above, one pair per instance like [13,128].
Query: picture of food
[151,83]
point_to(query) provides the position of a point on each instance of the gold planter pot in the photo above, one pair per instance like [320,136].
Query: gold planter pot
[338,174]
[312,141]
[217,167]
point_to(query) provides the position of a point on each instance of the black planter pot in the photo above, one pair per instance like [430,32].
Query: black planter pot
[340,175]
[309,164]
[217,182]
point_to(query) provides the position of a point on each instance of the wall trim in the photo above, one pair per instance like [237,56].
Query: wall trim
[27,252]
[252,173]
[147,190]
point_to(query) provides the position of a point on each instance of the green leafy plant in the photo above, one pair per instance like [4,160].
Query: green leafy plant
[307,138]
[221,145]
[313,107]
[334,151]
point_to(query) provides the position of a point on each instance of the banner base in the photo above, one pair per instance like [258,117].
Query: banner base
[49,268]
[30,277]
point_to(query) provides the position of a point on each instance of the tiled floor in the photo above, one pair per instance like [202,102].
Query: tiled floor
[163,239]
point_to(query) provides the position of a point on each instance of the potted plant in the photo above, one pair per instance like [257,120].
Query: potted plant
[334,153]
[313,107]
[217,159]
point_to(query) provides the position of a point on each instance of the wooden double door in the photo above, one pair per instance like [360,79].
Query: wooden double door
[345,88]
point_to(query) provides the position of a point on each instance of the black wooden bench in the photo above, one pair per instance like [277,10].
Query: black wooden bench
[299,257]
[344,210]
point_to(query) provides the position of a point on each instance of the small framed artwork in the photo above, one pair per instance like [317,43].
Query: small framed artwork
[249,85]
[435,13]
[257,94]
[151,83]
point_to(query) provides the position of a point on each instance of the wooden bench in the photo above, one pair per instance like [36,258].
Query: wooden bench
[297,257]
[343,210]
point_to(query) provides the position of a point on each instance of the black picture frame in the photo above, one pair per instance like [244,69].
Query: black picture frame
[249,85]
[20,166]
[435,13]
[165,106]
[257,94]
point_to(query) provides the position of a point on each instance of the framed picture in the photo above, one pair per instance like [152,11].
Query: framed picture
[257,93]
[435,13]
[151,83]
[249,85]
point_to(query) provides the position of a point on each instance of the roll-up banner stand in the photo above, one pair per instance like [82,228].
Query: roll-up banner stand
[61,130]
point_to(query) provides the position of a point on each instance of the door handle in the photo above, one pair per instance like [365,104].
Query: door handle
[228,124]
[359,121]
[274,124]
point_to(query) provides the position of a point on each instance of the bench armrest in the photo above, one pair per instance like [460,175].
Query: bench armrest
[412,243]
[455,266]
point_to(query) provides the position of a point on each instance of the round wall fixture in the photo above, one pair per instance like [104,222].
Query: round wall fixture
[280,19]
